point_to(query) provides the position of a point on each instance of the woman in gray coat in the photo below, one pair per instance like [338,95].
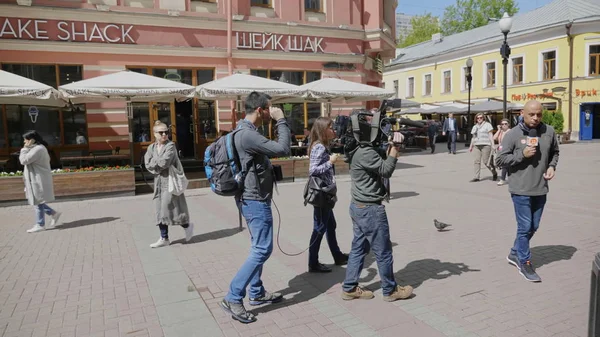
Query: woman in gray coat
[37,175]
[170,209]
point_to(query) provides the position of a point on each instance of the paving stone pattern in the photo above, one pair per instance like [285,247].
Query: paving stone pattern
[96,276]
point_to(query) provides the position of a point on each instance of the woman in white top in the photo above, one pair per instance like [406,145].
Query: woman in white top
[481,146]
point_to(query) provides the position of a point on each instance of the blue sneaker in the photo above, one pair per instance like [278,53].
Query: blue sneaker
[512,259]
[267,298]
[528,272]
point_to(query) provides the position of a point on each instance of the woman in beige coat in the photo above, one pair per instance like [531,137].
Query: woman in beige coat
[37,175]
[170,209]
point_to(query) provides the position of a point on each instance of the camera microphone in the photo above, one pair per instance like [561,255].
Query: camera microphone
[532,138]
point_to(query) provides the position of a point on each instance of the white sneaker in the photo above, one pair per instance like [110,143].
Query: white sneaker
[36,228]
[160,243]
[54,220]
[189,232]
[501,182]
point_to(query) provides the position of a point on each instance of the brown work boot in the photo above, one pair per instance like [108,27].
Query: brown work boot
[357,293]
[400,293]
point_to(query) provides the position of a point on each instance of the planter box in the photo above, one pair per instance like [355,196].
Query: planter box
[75,184]
[301,168]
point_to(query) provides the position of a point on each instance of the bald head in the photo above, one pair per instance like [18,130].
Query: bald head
[532,113]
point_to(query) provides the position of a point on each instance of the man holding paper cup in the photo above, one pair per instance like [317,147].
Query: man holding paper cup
[530,152]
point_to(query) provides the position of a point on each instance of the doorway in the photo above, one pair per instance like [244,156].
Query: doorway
[184,128]
[589,121]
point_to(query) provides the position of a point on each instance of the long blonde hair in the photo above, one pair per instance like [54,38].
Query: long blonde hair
[318,132]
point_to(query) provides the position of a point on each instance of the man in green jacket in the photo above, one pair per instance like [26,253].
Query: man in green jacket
[531,163]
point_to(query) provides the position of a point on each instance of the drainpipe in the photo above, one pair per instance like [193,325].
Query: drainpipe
[230,57]
[570,38]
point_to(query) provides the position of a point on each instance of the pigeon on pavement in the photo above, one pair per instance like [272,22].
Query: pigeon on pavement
[440,225]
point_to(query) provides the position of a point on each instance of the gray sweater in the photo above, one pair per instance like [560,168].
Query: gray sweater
[252,145]
[526,175]
[367,168]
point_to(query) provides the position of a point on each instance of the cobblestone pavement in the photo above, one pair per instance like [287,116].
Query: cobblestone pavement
[96,276]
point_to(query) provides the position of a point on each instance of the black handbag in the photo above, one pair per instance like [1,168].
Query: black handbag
[319,194]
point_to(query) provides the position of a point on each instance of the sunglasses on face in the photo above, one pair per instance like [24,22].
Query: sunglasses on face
[162,132]
[479,117]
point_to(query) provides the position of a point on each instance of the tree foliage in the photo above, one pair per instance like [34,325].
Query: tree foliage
[423,26]
[469,14]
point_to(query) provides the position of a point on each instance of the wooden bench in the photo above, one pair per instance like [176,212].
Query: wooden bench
[77,156]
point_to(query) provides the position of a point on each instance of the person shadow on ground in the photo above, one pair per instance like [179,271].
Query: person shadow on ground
[307,286]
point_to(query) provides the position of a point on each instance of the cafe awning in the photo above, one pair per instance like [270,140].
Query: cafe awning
[237,86]
[19,90]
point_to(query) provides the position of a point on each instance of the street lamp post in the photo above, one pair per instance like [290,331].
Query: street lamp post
[469,79]
[505,26]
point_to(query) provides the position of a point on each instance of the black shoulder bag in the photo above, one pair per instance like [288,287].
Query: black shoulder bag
[319,194]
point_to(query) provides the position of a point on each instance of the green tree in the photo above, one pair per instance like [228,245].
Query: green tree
[470,14]
[423,26]
[547,117]
[558,122]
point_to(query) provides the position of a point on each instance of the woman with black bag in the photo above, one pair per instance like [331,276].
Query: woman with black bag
[321,191]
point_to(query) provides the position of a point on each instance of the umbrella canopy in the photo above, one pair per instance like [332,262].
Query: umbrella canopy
[494,106]
[15,89]
[333,89]
[446,109]
[126,86]
[236,85]
[411,111]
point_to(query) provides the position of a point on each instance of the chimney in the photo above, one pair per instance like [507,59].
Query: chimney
[437,37]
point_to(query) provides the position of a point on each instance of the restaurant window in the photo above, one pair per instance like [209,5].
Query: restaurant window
[490,68]
[298,115]
[57,126]
[549,66]
[594,60]
[260,3]
[313,5]
[517,64]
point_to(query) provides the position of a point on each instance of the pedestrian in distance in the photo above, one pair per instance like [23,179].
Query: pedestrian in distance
[170,209]
[450,128]
[37,175]
[530,152]
[481,146]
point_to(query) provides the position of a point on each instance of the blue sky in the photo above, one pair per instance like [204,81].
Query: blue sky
[436,7]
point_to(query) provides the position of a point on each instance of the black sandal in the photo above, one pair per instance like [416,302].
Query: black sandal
[243,317]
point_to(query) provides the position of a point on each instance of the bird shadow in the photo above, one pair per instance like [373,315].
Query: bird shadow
[417,272]
[307,286]
[85,222]
[215,235]
[543,255]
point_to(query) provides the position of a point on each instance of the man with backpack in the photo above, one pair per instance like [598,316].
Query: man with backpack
[254,201]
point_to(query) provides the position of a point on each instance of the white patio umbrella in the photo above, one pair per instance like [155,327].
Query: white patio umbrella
[494,106]
[237,85]
[126,86]
[19,90]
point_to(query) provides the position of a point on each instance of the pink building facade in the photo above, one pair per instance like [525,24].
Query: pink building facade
[60,41]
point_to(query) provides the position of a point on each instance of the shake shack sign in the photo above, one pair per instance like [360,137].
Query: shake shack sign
[68,31]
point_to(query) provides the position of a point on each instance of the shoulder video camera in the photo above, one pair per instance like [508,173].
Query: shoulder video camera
[364,128]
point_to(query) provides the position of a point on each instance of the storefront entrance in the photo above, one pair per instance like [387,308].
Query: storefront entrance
[589,121]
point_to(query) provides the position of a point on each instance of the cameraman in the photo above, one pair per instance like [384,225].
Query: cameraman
[369,172]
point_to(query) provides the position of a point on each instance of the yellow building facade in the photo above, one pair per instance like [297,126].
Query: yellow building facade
[557,63]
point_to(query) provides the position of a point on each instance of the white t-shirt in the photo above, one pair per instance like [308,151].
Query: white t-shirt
[481,134]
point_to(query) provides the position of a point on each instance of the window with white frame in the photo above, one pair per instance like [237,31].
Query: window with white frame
[490,78]
[396,88]
[447,85]
[313,6]
[594,57]
[261,3]
[464,85]
[411,87]
[427,85]
[549,65]
[517,70]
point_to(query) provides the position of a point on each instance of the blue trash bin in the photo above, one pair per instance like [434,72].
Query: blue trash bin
[594,320]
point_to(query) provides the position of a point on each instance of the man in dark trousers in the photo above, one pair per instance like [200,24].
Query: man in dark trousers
[432,134]
[254,152]
[450,129]
[531,163]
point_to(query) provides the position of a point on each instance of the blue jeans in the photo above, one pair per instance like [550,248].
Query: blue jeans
[451,141]
[528,211]
[324,224]
[164,230]
[371,230]
[259,218]
[41,211]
